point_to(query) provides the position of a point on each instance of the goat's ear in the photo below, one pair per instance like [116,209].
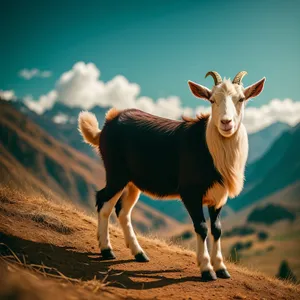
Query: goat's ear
[254,89]
[199,90]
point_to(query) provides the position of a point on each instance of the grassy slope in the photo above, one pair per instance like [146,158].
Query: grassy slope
[62,239]
[25,283]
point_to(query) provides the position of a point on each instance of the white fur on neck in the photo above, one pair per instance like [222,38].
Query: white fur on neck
[229,156]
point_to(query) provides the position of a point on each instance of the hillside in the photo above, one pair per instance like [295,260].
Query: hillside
[287,197]
[277,169]
[260,142]
[57,166]
[282,240]
[25,283]
[58,242]
[33,160]
[61,123]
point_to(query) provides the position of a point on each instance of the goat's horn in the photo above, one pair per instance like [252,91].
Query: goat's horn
[239,76]
[216,76]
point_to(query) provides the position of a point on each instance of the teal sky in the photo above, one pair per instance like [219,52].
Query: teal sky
[157,44]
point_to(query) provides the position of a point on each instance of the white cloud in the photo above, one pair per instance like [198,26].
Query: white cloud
[81,87]
[60,118]
[45,102]
[203,110]
[8,95]
[286,111]
[30,73]
[45,74]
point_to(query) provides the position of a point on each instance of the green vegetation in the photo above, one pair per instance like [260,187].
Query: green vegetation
[285,272]
[262,235]
[270,214]
[239,231]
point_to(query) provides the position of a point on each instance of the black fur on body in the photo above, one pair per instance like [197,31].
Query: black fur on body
[163,158]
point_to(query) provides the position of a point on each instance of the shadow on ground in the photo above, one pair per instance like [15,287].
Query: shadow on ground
[87,265]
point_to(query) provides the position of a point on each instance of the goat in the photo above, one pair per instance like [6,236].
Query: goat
[201,161]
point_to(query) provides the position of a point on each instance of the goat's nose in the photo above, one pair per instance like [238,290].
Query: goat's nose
[226,121]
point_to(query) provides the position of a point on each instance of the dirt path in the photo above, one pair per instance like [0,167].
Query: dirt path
[70,247]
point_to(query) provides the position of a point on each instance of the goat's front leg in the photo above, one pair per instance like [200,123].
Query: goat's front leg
[194,206]
[216,253]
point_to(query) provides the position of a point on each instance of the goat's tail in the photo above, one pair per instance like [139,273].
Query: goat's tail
[89,128]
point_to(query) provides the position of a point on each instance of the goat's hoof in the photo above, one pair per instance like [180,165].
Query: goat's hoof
[223,273]
[141,257]
[107,254]
[208,275]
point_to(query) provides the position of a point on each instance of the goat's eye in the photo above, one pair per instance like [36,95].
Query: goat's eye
[242,100]
[211,101]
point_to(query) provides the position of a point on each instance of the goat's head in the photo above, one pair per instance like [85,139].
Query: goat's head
[227,99]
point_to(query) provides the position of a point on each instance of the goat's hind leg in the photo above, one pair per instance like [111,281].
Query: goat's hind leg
[123,210]
[105,202]
[216,254]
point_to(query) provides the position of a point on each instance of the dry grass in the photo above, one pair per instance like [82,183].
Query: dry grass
[43,210]
[21,281]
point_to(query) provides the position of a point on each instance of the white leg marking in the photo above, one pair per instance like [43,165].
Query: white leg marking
[129,235]
[129,199]
[103,218]
[216,256]
[203,258]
